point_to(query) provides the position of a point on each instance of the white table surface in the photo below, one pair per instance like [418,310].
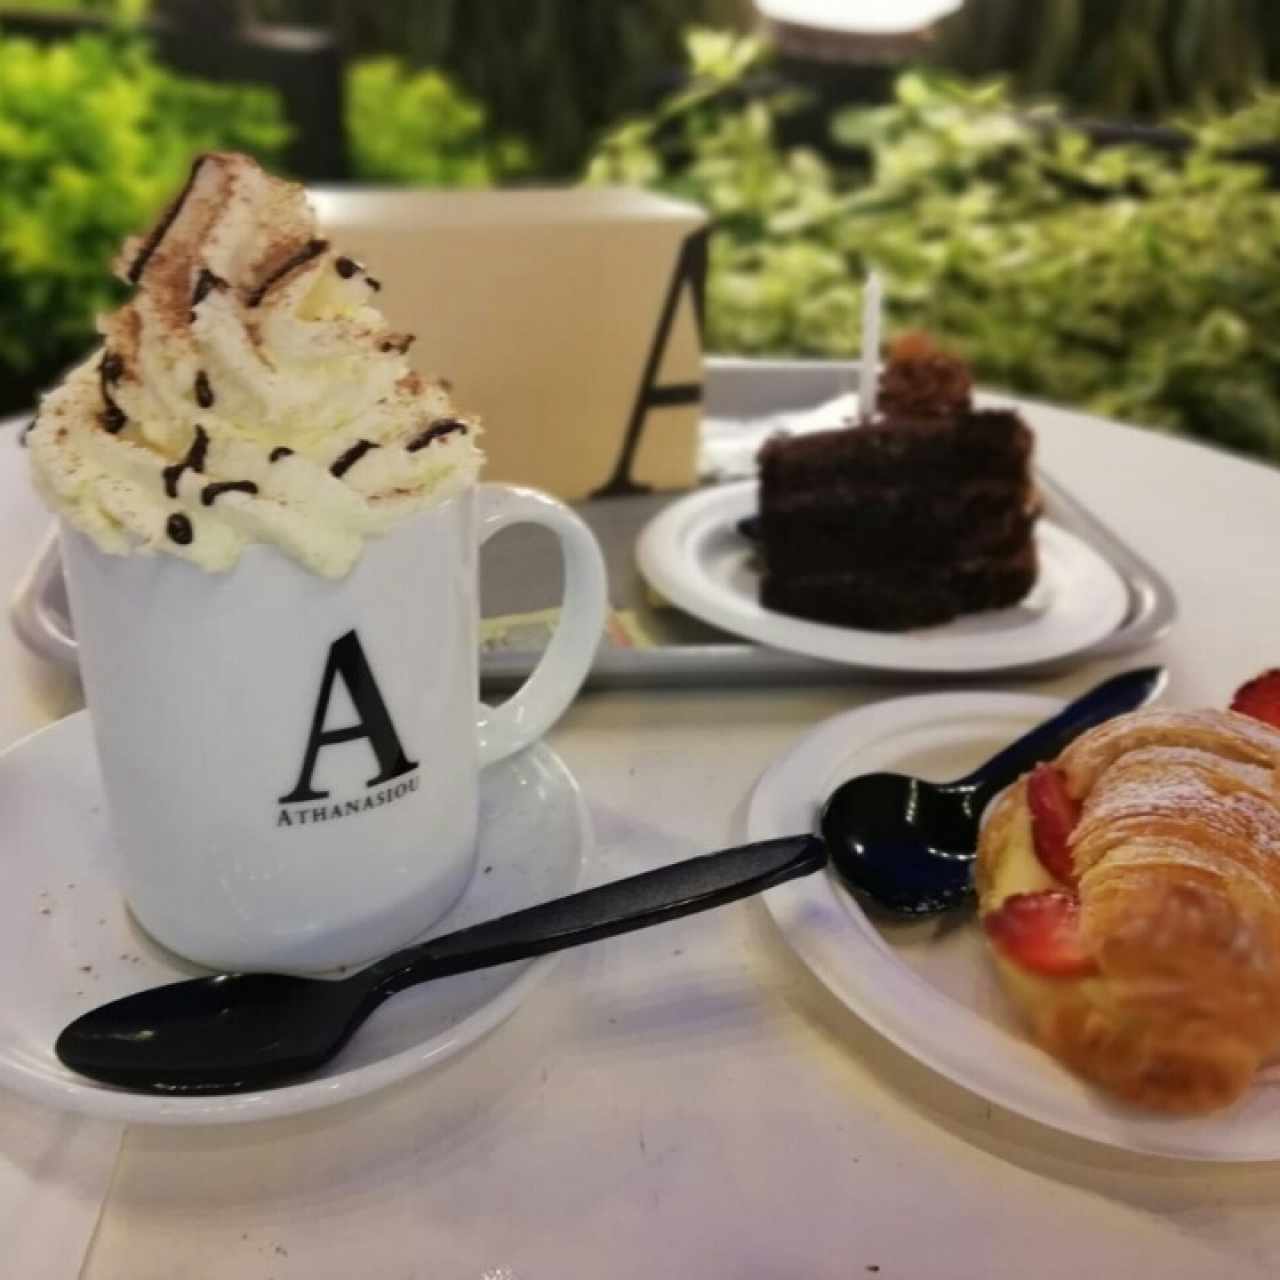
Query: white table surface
[689,1101]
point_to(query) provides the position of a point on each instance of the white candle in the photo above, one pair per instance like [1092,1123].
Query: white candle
[869,371]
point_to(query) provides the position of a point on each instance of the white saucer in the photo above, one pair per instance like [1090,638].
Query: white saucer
[692,554]
[67,943]
[930,987]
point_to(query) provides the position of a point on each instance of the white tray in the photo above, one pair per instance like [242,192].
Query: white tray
[689,653]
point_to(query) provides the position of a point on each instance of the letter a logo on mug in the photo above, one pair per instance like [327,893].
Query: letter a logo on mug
[346,659]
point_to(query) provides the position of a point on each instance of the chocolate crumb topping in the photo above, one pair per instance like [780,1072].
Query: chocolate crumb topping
[204,392]
[922,381]
[312,249]
[353,455]
[280,451]
[178,527]
[212,492]
[436,431]
[373,284]
[194,460]
[346,267]
[152,242]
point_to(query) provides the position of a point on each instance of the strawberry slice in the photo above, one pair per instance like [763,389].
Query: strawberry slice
[1054,815]
[1260,698]
[1041,932]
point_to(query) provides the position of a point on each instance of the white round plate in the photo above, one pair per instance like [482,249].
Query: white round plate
[67,943]
[692,553]
[930,987]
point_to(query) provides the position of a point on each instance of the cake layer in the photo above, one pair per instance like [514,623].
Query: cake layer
[991,446]
[827,530]
[891,599]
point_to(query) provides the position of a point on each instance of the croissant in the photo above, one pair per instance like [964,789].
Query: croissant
[1163,984]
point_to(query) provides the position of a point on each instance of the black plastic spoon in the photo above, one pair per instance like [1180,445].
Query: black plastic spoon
[240,1031]
[907,843]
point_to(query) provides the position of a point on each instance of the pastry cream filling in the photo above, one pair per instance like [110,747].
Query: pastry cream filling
[1018,870]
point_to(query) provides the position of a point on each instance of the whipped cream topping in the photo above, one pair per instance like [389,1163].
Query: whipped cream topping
[249,391]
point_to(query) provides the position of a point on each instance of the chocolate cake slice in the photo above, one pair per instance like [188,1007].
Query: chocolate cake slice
[924,513]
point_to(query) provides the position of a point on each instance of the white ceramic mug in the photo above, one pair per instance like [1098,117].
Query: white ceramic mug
[292,763]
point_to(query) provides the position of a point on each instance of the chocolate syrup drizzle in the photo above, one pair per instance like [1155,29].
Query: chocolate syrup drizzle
[373,284]
[280,451]
[110,371]
[178,527]
[312,249]
[436,431]
[353,455]
[26,431]
[161,229]
[203,391]
[346,267]
[206,283]
[194,460]
[211,492]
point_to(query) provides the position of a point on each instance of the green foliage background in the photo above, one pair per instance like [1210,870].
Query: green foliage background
[416,127]
[551,72]
[1118,58]
[1113,279]
[93,137]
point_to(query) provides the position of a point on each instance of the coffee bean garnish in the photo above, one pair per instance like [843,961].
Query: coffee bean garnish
[353,455]
[280,451]
[204,392]
[437,430]
[211,492]
[179,529]
[346,267]
[194,459]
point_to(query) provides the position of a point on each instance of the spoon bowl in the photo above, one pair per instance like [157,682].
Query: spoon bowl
[222,1034]
[906,843]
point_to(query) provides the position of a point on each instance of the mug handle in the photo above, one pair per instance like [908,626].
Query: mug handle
[555,681]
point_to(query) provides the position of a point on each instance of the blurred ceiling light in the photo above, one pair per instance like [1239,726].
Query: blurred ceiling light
[858,17]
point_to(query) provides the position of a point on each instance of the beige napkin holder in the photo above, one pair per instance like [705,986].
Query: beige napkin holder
[569,320]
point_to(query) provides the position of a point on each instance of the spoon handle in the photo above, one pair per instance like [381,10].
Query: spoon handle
[680,889]
[1125,692]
